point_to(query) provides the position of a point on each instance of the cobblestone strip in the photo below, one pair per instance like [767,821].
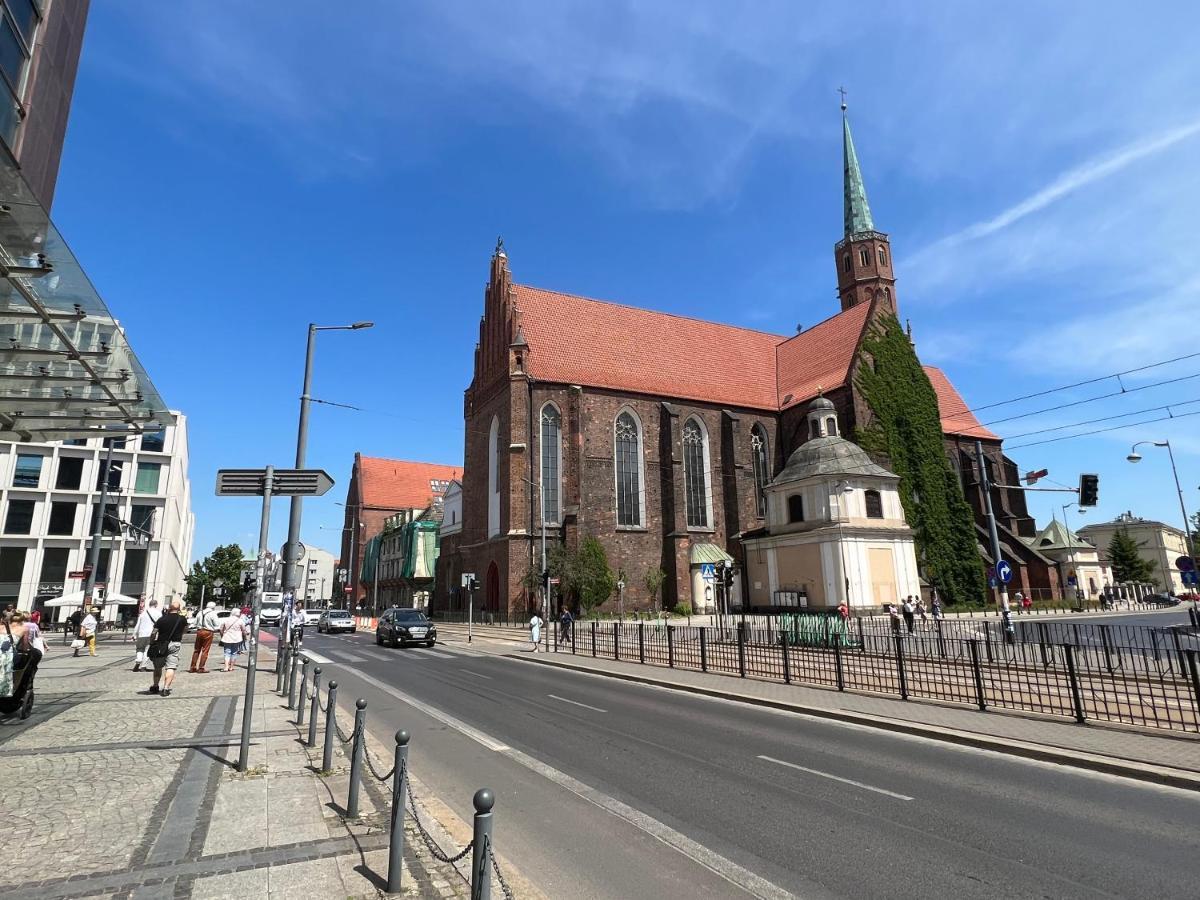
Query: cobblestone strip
[220,740]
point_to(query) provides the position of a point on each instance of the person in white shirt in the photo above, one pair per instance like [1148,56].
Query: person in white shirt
[207,626]
[87,631]
[146,621]
[535,631]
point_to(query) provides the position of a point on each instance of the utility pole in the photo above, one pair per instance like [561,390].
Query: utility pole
[991,517]
[98,531]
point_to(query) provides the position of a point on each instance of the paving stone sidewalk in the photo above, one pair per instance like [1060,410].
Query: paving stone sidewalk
[112,793]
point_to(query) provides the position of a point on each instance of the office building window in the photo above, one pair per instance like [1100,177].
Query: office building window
[113,472]
[12,570]
[134,569]
[154,440]
[20,517]
[28,471]
[54,565]
[117,443]
[70,473]
[142,517]
[62,517]
[112,524]
[147,478]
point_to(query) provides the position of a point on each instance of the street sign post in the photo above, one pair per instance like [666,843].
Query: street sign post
[267,482]
[1004,571]
[1185,564]
[708,571]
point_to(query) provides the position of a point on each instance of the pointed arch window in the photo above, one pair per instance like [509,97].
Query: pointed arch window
[695,474]
[762,471]
[864,256]
[551,446]
[846,262]
[882,256]
[494,477]
[627,452]
[831,427]
[874,504]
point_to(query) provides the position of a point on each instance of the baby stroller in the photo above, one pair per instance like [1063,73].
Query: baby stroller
[20,701]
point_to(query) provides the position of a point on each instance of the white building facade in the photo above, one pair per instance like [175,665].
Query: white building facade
[50,498]
[316,576]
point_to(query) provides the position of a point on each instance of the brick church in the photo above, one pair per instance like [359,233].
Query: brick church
[579,415]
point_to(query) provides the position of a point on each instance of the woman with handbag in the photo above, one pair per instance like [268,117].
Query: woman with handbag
[164,647]
[233,632]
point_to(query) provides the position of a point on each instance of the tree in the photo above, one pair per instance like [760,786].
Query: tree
[1127,563]
[594,580]
[653,580]
[225,563]
[906,427]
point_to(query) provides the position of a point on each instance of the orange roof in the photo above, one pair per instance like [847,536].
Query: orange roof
[819,359]
[957,418]
[575,340]
[399,484]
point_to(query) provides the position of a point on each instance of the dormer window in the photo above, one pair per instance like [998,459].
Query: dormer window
[864,256]
[831,426]
[795,508]
[874,504]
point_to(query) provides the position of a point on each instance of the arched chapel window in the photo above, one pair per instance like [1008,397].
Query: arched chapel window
[695,473]
[759,457]
[874,505]
[795,508]
[627,451]
[551,464]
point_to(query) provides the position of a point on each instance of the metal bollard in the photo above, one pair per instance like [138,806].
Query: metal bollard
[281,655]
[330,728]
[316,707]
[357,749]
[396,842]
[481,871]
[291,685]
[303,688]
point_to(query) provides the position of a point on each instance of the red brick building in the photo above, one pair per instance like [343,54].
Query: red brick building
[380,488]
[663,455]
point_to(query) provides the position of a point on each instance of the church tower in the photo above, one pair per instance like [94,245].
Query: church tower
[863,255]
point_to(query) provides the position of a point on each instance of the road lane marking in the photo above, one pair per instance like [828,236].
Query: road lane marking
[857,784]
[476,674]
[576,703]
[318,658]
[752,884]
[425,651]
[350,657]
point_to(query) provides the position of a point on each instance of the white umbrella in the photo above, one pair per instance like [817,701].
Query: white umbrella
[72,599]
[122,600]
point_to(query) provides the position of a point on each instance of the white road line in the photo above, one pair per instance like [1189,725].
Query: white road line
[351,657]
[752,884]
[576,703]
[476,674]
[318,658]
[425,651]
[858,784]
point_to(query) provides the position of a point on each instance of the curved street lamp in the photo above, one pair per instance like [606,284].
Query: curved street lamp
[1135,457]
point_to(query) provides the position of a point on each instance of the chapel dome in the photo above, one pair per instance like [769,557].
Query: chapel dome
[830,455]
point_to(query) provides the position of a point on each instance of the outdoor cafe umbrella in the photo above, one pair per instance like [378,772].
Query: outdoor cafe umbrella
[76,599]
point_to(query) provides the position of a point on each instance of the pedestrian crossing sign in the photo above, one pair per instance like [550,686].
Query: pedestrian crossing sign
[708,571]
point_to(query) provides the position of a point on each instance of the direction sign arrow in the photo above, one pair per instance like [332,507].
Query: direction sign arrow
[284,482]
[1004,571]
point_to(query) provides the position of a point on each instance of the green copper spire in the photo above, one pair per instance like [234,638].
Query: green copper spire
[857,212]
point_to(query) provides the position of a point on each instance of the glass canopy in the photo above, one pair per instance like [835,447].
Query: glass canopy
[66,368]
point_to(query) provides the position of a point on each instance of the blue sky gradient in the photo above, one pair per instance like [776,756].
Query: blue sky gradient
[231,176]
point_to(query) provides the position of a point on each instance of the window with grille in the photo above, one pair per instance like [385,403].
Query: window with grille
[551,455]
[874,505]
[759,457]
[695,474]
[627,450]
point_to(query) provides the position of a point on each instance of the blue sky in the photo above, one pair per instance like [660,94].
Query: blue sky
[235,171]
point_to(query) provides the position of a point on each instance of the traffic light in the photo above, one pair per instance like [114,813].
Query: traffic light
[1089,490]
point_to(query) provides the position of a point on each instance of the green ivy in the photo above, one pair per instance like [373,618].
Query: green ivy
[907,428]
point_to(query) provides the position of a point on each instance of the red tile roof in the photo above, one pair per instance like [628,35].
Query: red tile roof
[819,359]
[957,418]
[399,484]
[574,340]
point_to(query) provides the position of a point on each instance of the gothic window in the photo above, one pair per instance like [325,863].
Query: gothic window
[882,257]
[874,505]
[796,508]
[846,262]
[864,256]
[494,478]
[887,294]
[627,450]
[759,457]
[551,464]
[695,473]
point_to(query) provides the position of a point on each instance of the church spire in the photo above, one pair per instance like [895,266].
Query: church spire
[857,212]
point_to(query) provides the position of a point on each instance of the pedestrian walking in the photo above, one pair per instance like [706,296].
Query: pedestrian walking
[1026,604]
[165,644]
[247,620]
[142,631]
[923,613]
[937,609]
[565,620]
[1020,601]
[233,632]
[910,621]
[894,616]
[535,630]
[206,630]
[87,631]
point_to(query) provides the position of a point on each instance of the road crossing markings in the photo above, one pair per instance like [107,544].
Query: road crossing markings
[350,657]
[318,658]
[576,703]
[857,784]
[425,651]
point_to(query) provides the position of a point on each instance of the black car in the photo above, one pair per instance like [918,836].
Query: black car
[405,626]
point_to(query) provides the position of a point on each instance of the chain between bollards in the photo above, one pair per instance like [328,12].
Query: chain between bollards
[481,870]
[330,727]
[316,707]
[303,688]
[396,842]
[356,755]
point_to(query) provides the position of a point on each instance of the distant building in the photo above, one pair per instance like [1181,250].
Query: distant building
[407,557]
[1081,571]
[317,574]
[50,497]
[1157,542]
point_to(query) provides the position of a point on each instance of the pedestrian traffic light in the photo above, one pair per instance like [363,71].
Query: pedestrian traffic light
[1089,490]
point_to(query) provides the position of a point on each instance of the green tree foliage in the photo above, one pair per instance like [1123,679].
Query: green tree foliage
[583,574]
[907,428]
[1127,564]
[653,579]
[225,563]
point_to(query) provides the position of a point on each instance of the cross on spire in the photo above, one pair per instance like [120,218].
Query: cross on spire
[842,91]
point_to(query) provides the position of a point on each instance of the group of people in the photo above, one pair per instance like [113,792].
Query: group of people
[22,638]
[905,617]
[232,632]
[159,635]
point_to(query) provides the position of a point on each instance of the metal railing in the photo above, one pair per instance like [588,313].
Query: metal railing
[1128,674]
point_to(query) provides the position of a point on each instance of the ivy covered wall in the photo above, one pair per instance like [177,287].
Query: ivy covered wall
[905,426]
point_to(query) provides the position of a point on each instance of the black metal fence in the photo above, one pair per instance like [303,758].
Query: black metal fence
[1133,675]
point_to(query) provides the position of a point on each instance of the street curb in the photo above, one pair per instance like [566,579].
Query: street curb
[1041,752]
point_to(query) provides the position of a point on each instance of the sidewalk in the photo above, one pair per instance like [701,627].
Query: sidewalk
[115,794]
[1172,758]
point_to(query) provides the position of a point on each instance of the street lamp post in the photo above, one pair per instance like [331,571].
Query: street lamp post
[1135,457]
[294,515]
[1071,547]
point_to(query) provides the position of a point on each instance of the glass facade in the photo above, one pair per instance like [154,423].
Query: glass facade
[18,25]
[12,570]
[154,440]
[54,565]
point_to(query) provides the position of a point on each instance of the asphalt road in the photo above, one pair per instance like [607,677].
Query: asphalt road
[611,789]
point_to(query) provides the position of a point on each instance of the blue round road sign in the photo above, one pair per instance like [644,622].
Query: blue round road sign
[1004,571]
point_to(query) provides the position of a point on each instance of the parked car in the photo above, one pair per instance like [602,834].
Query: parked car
[312,616]
[405,626]
[1161,599]
[336,620]
[270,613]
